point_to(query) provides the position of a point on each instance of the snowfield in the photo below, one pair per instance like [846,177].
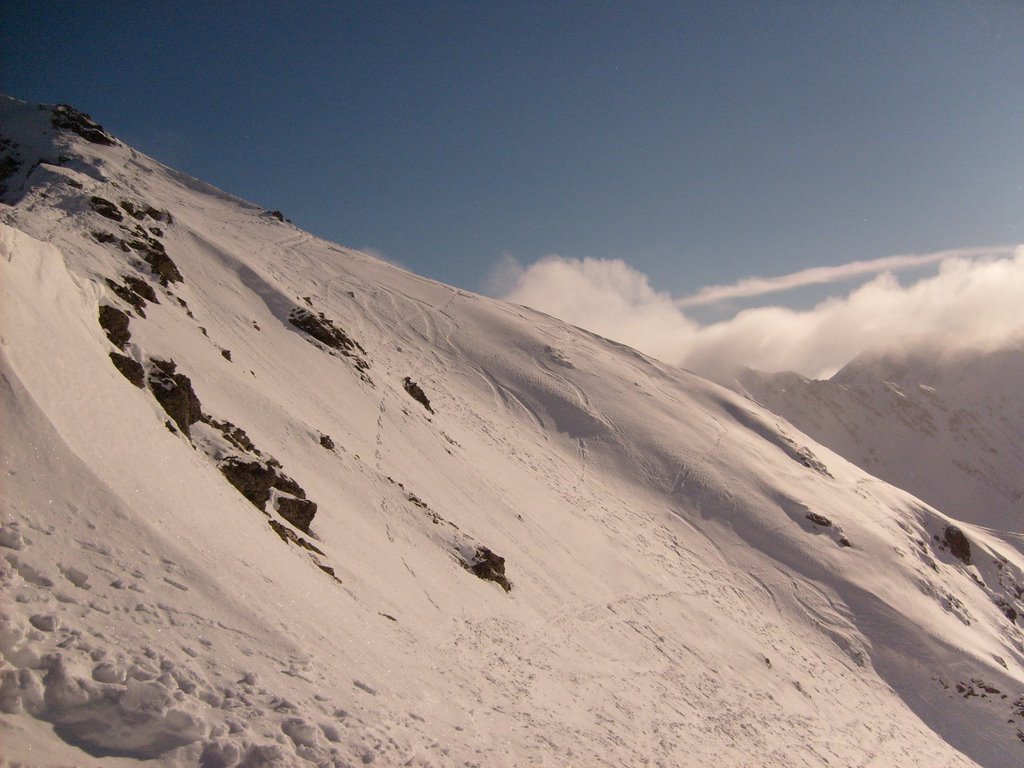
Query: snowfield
[575,556]
[945,425]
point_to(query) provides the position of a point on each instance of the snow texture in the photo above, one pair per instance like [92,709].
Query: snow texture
[674,598]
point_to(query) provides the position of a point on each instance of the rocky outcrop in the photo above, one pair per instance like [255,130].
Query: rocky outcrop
[114,323]
[958,544]
[174,392]
[140,212]
[134,291]
[416,393]
[255,479]
[67,118]
[298,512]
[145,243]
[488,566]
[105,208]
[129,368]
[325,331]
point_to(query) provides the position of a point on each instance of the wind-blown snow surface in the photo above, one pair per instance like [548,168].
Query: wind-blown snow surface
[672,601]
[944,425]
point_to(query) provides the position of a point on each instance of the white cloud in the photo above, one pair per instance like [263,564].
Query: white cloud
[759,286]
[607,297]
[970,302]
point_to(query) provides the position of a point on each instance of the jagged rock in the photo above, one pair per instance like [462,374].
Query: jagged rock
[416,393]
[105,208]
[105,237]
[1007,609]
[68,118]
[175,394]
[327,333]
[135,292]
[140,212]
[153,252]
[490,567]
[289,536]
[327,442]
[226,354]
[958,544]
[129,368]
[254,479]
[298,512]
[141,288]
[130,208]
[114,323]
[817,519]
[234,435]
[809,460]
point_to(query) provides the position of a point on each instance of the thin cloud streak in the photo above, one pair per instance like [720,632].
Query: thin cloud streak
[759,286]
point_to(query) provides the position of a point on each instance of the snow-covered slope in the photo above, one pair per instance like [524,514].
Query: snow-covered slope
[945,425]
[574,556]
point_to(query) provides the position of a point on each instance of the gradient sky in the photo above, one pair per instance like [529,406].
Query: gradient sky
[699,142]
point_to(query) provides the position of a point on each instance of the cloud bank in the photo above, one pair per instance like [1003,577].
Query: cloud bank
[974,300]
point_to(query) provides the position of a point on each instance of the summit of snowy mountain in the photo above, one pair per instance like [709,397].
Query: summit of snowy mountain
[269,501]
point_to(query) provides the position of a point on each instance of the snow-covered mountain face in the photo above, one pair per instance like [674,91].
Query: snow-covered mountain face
[945,426]
[270,501]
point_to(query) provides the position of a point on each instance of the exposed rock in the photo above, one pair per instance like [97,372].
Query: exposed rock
[254,479]
[298,512]
[327,333]
[105,208]
[817,519]
[1008,610]
[175,394]
[67,118]
[134,292]
[129,368]
[129,207]
[153,252]
[141,288]
[289,536]
[226,354]
[417,393]
[141,212]
[809,460]
[326,442]
[958,544]
[490,567]
[234,435]
[105,237]
[114,323]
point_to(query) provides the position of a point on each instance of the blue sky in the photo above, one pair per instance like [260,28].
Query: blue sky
[699,142]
